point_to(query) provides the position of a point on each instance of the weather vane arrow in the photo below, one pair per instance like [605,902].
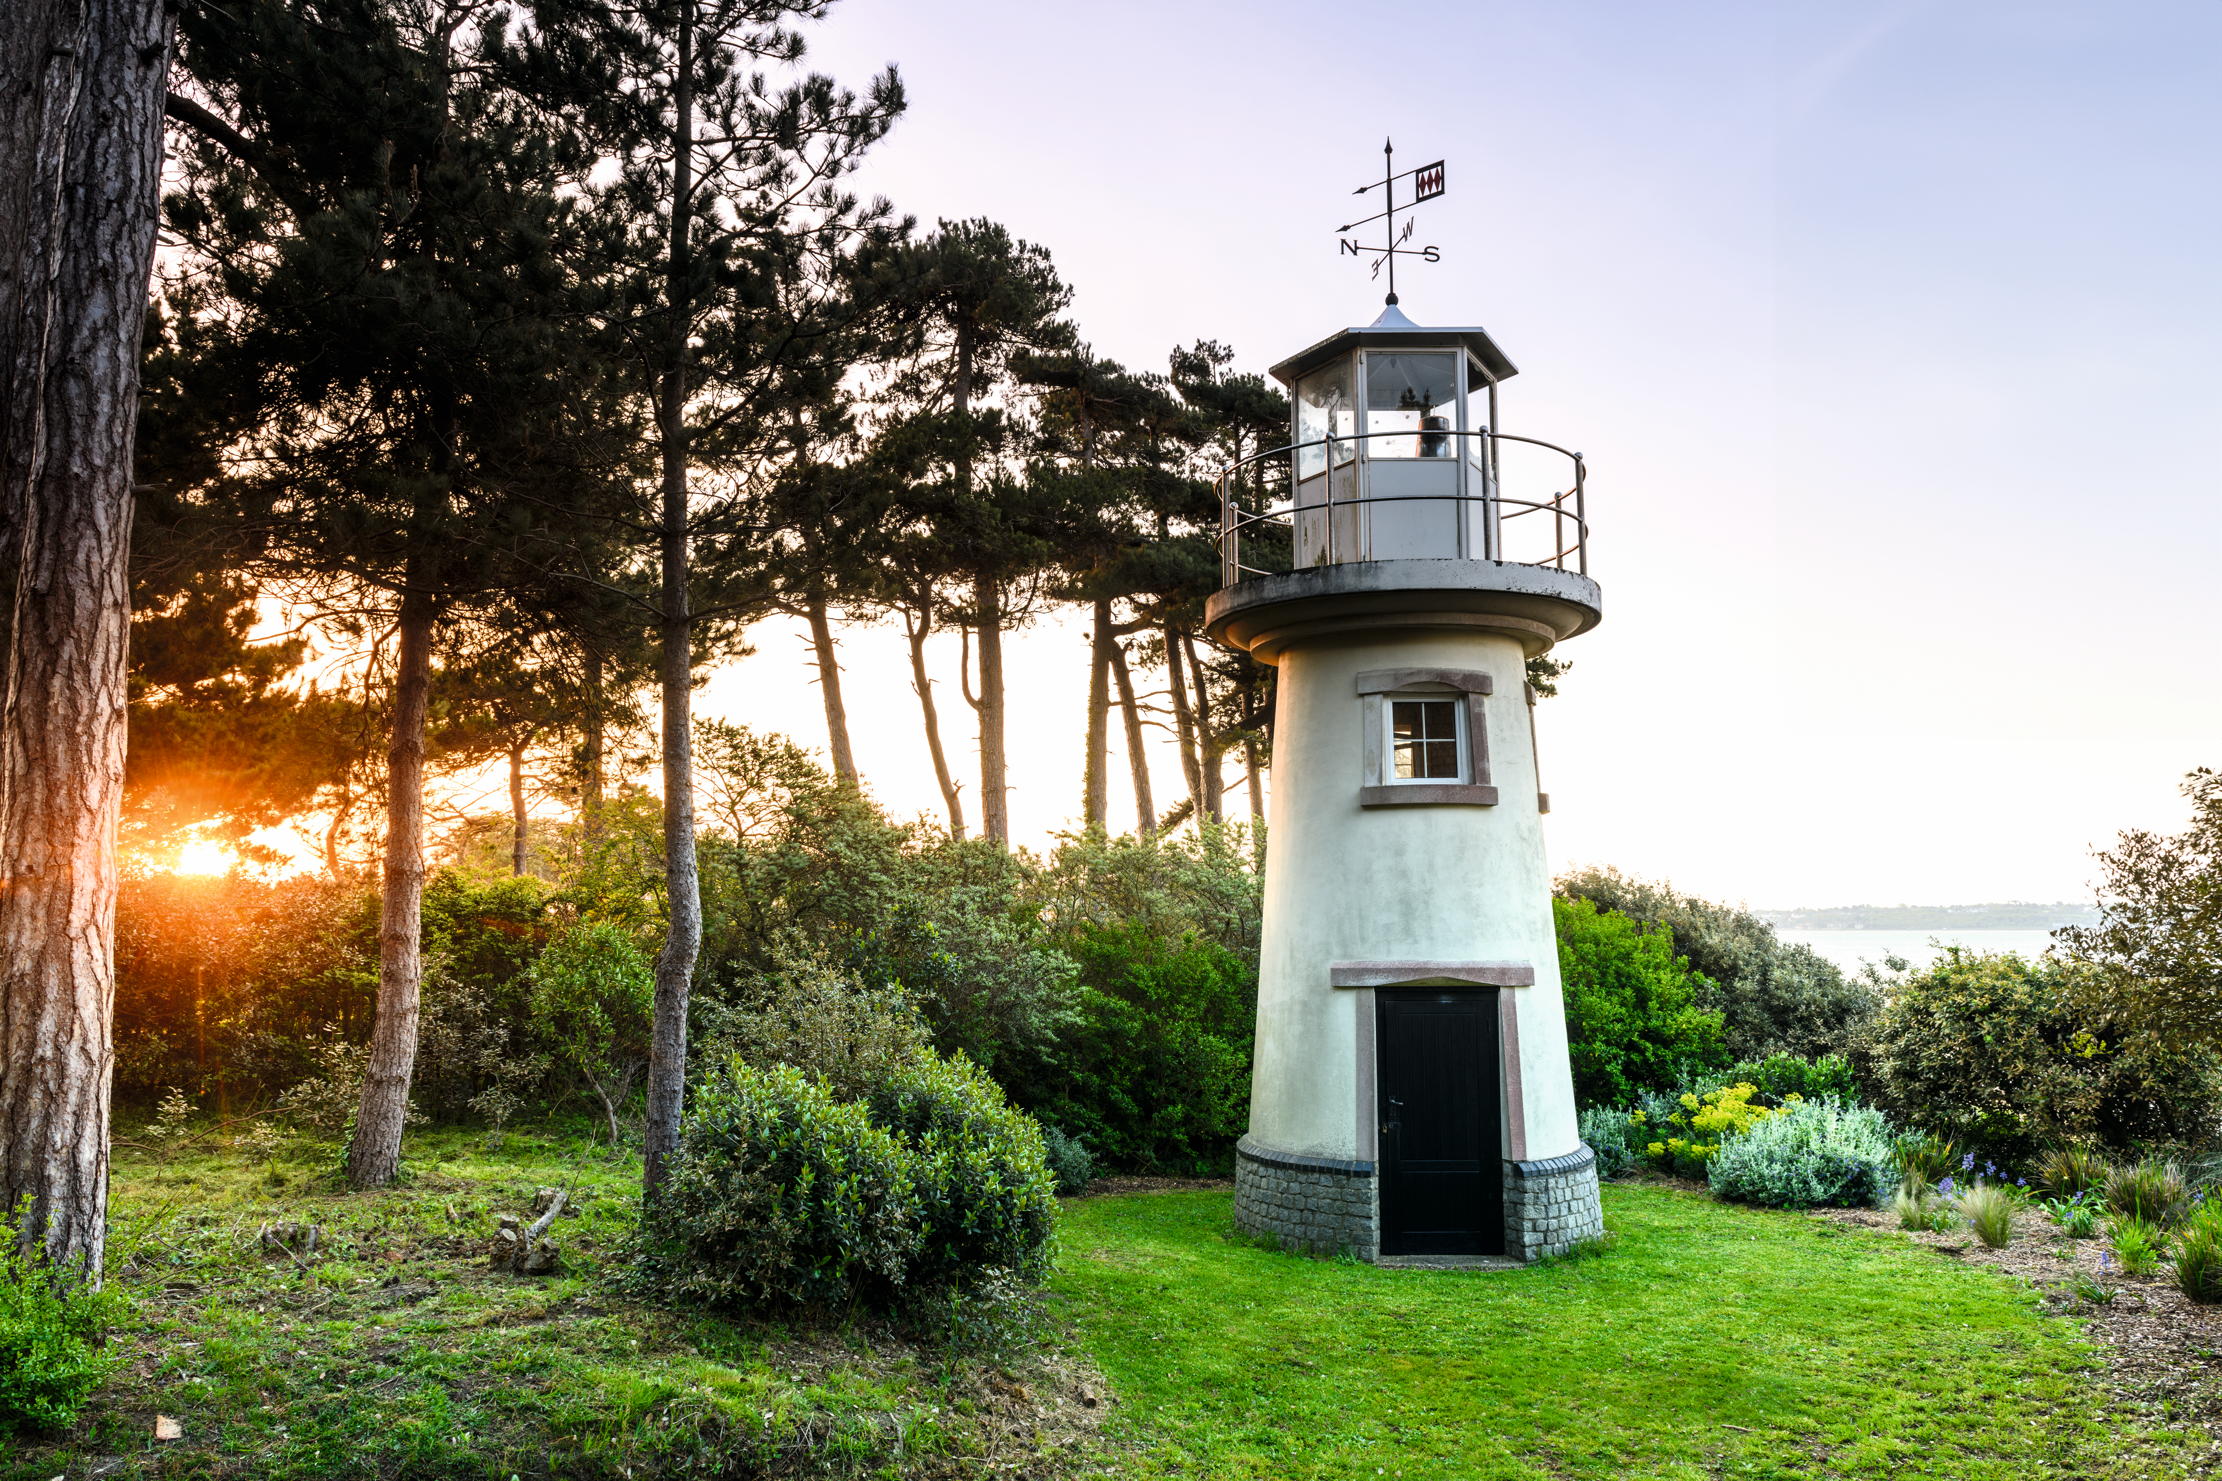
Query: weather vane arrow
[1427,184]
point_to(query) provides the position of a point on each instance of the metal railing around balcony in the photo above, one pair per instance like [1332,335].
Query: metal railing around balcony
[1291,535]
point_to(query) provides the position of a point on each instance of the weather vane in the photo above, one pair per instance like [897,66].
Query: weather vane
[1427,183]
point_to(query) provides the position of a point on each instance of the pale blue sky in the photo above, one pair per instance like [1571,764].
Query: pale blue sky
[1889,332]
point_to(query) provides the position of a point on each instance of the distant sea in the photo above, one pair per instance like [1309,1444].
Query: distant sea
[1849,949]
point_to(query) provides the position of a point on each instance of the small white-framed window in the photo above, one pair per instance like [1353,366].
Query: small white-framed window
[1427,738]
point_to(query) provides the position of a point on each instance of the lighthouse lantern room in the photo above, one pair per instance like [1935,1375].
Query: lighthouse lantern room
[1412,1096]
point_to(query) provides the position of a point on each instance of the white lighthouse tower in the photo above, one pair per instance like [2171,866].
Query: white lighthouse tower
[1398,565]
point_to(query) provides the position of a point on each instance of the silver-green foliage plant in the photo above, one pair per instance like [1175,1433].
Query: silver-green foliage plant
[1070,1162]
[1815,1154]
[1606,1132]
[50,1330]
[1989,1211]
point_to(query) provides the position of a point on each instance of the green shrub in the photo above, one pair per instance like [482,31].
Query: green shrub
[1814,1154]
[1155,1074]
[50,1335]
[2136,1244]
[987,1203]
[1774,998]
[1922,1160]
[2011,1055]
[1633,1022]
[2069,1171]
[817,1018]
[1680,1133]
[781,1196]
[1779,1077]
[2149,1191]
[1069,1161]
[1606,1131]
[2199,1255]
[1989,1211]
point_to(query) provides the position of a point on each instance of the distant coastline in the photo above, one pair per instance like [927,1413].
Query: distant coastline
[2010,915]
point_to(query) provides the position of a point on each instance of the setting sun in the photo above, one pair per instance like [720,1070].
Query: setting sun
[204,856]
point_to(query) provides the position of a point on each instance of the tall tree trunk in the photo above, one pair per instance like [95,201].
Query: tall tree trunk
[1184,723]
[81,90]
[1095,779]
[591,762]
[995,813]
[829,689]
[375,1154]
[951,797]
[667,1053]
[1210,748]
[1137,759]
[520,825]
[1250,759]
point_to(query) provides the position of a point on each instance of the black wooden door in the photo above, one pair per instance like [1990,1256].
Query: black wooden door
[1442,1183]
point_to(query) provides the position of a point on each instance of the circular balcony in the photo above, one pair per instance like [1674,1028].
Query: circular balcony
[1416,530]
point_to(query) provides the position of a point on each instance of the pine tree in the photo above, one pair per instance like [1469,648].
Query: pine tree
[406,283]
[81,89]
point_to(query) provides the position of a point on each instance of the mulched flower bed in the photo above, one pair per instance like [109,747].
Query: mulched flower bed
[2161,1351]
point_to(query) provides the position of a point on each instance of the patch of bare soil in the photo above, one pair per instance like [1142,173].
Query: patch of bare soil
[2160,1351]
[1104,1186]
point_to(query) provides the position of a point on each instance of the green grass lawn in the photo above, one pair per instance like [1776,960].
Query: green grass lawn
[394,1352]
[1710,1341]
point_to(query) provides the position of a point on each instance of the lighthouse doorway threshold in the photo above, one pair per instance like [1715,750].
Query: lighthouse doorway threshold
[1442,1180]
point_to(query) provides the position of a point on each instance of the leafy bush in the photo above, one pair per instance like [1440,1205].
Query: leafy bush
[986,1200]
[784,1195]
[1989,1211]
[781,1196]
[1632,1018]
[1069,1161]
[592,991]
[2071,1171]
[50,1331]
[821,1020]
[2199,1255]
[1782,1077]
[1774,998]
[2011,1055]
[2149,1191]
[1817,1153]
[1155,1075]
[1606,1133]
[2135,1243]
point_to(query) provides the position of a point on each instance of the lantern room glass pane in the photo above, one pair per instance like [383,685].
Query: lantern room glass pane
[1325,407]
[1415,394]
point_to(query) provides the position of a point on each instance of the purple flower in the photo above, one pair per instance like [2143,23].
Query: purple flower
[1944,1185]
[2106,1262]
[2021,1182]
[1967,1163]
[1990,1169]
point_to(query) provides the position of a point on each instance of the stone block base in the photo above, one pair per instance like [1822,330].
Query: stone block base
[1319,1206]
[1551,1206]
[1311,1204]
